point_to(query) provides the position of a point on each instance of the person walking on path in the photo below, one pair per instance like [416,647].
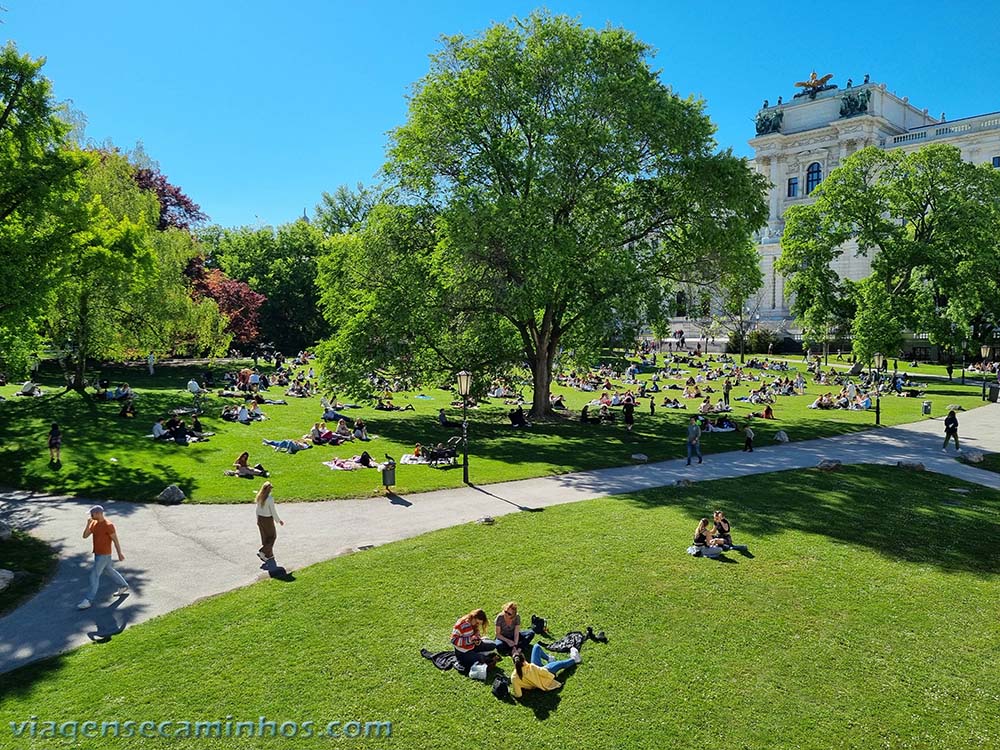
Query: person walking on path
[693,440]
[104,535]
[748,442]
[151,360]
[55,444]
[950,431]
[267,514]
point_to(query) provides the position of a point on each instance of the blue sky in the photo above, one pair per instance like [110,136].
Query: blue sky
[255,108]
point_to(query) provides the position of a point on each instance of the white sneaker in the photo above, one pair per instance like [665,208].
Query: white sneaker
[574,654]
[85,604]
[123,591]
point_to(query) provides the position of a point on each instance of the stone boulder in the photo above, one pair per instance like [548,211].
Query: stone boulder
[172,495]
[683,482]
[911,465]
[5,532]
[640,458]
[974,457]
[6,577]
[828,464]
[781,436]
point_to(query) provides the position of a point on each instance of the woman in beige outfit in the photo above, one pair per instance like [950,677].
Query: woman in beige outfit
[267,514]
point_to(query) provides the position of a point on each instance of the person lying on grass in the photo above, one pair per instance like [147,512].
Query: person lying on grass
[387,405]
[289,446]
[540,672]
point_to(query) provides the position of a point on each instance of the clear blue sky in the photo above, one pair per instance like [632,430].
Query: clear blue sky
[256,107]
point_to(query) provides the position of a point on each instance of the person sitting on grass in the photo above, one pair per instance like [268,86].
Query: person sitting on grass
[509,635]
[722,533]
[444,421]
[159,431]
[128,409]
[470,647]
[289,446]
[360,429]
[517,417]
[585,416]
[540,672]
[243,468]
[557,401]
[768,413]
[343,433]
[701,536]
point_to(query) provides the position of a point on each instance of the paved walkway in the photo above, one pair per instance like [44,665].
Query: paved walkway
[177,555]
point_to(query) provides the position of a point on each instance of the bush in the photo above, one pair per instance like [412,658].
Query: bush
[760,339]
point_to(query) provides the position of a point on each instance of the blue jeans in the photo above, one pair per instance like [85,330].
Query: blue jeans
[479,653]
[279,444]
[539,657]
[694,448]
[102,564]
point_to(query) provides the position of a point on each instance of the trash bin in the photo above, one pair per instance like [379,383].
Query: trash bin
[994,392]
[926,408]
[389,472]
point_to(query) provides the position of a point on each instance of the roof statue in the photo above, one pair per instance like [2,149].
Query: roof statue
[813,85]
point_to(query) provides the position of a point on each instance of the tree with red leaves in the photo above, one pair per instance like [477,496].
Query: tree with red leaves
[176,208]
[236,300]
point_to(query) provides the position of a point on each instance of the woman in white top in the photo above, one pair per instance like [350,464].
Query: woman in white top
[267,514]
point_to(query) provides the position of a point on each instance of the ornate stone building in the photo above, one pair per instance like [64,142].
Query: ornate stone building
[798,142]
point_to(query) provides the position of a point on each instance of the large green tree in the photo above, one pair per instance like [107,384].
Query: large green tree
[281,264]
[121,287]
[568,188]
[930,222]
[37,178]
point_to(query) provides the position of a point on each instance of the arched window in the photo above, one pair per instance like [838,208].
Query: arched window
[814,176]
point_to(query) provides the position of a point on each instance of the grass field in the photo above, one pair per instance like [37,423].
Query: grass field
[866,619]
[105,456]
[31,557]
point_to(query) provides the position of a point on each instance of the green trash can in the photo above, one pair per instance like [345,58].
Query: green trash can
[926,410]
[994,392]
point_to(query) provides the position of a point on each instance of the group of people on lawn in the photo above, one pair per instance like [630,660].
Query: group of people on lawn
[472,648]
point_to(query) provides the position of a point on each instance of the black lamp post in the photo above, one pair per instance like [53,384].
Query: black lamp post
[879,360]
[464,386]
[985,351]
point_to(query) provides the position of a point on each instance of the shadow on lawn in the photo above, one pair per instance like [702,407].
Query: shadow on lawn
[51,620]
[899,513]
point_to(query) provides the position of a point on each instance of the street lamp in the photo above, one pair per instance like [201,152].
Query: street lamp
[879,361]
[985,351]
[464,387]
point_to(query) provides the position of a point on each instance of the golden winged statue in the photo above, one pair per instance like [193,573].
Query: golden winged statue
[814,83]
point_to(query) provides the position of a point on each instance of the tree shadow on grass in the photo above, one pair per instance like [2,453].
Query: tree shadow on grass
[51,622]
[898,513]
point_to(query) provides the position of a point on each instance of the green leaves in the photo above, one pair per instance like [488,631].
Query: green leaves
[567,184]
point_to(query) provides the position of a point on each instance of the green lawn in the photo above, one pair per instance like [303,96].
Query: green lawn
[108,457]
[990,462]
[866,619]
[33,558]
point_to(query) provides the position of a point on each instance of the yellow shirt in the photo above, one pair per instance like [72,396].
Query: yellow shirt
[533,677]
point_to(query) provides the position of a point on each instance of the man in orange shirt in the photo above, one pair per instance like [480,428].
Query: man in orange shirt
[103,533]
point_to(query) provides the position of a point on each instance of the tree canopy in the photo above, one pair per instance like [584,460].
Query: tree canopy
[555,188]
[930,222]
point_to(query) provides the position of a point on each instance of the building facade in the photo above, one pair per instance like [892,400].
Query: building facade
[800,141]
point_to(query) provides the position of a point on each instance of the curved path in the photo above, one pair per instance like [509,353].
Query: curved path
[177,555]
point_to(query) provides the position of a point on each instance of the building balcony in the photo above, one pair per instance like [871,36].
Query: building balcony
[965,126]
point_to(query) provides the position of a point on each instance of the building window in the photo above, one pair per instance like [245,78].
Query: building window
[814,176]
[793,186]
[996,162]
